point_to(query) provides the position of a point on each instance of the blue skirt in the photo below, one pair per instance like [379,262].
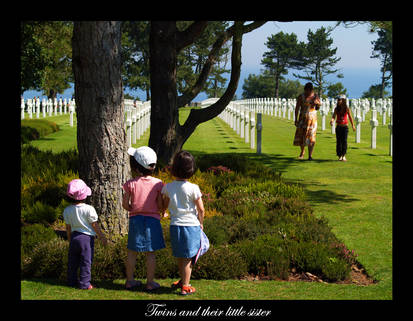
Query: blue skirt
[145,234]
[185,240]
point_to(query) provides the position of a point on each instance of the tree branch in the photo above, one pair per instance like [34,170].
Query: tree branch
[197,116]
[191,93]
[186,37]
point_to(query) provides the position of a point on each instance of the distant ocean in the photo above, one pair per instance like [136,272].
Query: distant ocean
[356,81]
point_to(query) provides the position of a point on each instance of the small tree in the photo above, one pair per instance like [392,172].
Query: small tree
[256,86]
[375,92]
[336,89]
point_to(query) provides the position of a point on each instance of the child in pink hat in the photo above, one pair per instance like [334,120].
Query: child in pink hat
[81,228]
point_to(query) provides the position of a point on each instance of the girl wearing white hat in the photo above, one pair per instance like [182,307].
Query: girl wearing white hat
[143,200]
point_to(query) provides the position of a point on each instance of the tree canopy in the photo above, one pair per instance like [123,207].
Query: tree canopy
[284,52]
[46,56]
[319,59]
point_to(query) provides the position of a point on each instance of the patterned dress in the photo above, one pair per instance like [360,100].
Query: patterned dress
[306,131]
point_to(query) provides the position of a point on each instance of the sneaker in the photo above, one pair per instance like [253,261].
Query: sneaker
[344,159]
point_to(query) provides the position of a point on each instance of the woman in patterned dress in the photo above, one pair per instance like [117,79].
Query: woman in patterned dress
[306,120]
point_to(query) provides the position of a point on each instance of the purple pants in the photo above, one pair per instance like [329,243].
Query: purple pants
[80,258]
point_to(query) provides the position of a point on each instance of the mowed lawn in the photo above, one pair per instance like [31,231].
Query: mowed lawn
[355,196]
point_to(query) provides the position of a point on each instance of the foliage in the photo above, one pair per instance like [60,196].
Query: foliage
[375,92]
[254,220]
[256,86]
[319,58]
[284,52]
[265,255]
[44,179]
[48,56]
[335,90]
[48,259]
[263,85]
[135,58]
[382,49]
[32,235]
[32,58]
[135,55]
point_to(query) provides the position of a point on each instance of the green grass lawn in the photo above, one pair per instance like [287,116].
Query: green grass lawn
[355,196]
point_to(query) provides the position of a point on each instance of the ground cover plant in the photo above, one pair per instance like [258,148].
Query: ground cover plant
[363,224]
[253,217]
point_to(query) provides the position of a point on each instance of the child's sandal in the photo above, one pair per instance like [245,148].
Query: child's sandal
[187,290]
[177,284]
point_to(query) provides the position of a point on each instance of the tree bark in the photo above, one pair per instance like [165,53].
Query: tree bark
[101,137]
[277,85]
[165,134]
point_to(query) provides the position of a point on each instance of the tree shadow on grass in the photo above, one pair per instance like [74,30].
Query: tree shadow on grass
[105,284]
[328,196]
[281,163]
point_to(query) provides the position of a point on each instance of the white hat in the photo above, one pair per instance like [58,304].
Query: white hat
[144,156]
[342,96]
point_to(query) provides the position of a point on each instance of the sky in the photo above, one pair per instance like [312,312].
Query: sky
[354,47]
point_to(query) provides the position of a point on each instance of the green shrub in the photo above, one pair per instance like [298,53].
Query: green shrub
[47,260]
[220,263]
[266,255]
[335,270]
[109,261]
[39,213]
[319,259]
[33,234]
[44,182]
[28,134]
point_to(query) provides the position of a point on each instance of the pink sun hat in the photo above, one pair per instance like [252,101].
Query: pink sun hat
[78,190]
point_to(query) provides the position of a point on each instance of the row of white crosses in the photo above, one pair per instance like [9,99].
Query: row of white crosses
[47,107]
[137,119]
[240,114]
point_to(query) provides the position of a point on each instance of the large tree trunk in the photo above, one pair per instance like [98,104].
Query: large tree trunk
[165,137]
[101,137]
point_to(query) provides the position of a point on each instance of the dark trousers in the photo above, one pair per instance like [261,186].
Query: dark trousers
[341,135]
[80,258]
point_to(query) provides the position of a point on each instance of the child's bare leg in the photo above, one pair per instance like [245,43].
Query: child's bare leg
[130,264]
[150,267]
[185,270]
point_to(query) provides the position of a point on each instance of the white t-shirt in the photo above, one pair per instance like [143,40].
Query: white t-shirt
[182,196]
[79,217]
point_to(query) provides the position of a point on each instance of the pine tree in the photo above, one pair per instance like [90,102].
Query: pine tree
[284,52]
[319,59]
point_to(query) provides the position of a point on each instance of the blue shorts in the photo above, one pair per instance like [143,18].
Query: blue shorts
[185,240]
[145,234]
